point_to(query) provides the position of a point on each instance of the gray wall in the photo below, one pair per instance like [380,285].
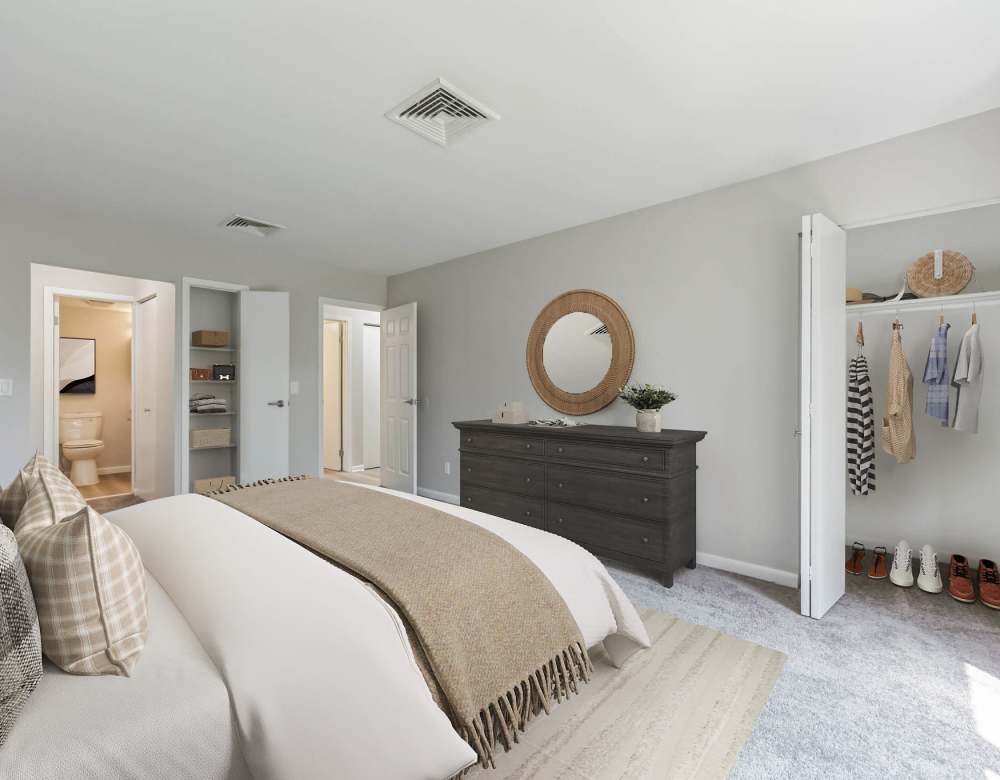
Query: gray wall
[43,236]
[945,496]
[710,284]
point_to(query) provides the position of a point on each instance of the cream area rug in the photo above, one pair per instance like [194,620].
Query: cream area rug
[681,709]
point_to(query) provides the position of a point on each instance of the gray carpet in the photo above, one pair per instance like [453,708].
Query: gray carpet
[891,683]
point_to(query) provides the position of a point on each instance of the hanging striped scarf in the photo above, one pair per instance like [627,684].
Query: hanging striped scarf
[860,429]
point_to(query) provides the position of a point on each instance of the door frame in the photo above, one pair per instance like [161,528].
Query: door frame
[182,464]
[346,428]
[345,340]
[50,370]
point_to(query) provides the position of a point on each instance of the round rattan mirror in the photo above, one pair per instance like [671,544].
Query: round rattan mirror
[580,352]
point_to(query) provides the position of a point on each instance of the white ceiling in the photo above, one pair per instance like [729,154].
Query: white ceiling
[177,114]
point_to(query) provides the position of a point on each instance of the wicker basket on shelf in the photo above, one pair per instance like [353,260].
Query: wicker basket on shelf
[211,437]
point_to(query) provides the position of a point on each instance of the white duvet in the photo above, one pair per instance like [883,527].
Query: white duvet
[320,673]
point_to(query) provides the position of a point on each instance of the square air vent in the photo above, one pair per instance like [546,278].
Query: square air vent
[253,226]
[441,113]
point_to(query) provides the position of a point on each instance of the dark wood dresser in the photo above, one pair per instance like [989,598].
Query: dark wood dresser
[622,494]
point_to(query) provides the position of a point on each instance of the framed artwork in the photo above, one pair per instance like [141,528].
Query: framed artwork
[77,365]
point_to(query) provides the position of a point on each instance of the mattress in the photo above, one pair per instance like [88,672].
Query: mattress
[171,719]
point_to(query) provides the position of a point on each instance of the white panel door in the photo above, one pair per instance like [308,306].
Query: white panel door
[144,419]
[263,375]
[398,395]
[333,443]
[823,393]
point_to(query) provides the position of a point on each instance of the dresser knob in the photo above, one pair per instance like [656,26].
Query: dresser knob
[560,520]
[468,468]
[645,540]
[528,480]
[559,485]
[468,440]
[527,513]
[645,459]
[468,500]
[559,449]
[527,446]
[645,500]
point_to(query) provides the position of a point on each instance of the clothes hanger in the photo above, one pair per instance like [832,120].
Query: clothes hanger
[860,338]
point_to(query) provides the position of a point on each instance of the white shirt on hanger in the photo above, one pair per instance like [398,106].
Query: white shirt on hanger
[968,378]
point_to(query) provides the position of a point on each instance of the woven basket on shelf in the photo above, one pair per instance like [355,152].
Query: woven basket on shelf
[211,437]
[956,274]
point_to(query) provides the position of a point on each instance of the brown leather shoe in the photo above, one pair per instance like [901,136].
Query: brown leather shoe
[959,580]
[856,563]
[989,584]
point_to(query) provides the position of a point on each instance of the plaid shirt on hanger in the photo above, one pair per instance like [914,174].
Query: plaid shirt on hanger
[936,376]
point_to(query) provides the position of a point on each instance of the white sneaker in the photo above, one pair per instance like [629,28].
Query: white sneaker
[929,579]
[901,573]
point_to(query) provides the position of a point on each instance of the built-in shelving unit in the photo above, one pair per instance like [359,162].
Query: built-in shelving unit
[213,307]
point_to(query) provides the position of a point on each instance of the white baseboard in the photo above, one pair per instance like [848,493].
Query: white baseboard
[356,469]
[437,495]
[778,576]
[113,469]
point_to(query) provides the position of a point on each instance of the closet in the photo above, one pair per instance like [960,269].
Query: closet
[946,494]
[235,390]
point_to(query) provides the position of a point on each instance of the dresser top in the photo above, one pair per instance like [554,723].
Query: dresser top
[606,433]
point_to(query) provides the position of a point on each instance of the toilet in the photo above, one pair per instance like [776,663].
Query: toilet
[79,437]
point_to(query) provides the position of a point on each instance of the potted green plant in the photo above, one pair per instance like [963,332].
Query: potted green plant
[647,400]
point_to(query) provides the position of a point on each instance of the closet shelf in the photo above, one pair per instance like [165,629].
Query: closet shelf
[213,381]
[213,349]
[214,447]
[206,415]
[925,304]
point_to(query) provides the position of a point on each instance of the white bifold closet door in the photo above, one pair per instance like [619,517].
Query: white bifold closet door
[398,397]
[262,374]
[823,394]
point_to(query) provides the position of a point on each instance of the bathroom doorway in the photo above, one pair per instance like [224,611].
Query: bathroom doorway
[95,394]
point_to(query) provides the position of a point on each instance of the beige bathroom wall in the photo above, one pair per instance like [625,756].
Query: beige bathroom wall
[112,328]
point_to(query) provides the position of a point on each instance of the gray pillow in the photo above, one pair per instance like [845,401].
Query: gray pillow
[20,643]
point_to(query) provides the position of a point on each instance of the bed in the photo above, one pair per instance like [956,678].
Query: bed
[266,660]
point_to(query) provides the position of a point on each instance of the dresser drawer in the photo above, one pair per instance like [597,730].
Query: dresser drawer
[591,452]
[498,442]
[621,495]
[593,528]
[520,509]
[514,476]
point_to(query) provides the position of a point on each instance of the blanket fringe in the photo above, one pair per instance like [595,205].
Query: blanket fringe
[258,483]
[500,723]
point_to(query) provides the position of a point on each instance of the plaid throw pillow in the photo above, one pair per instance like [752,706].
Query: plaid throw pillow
[51,498]
[13,497]
[20,646]
[90,591]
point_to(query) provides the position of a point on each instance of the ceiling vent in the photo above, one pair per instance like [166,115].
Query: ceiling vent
[253,226]
[441,113]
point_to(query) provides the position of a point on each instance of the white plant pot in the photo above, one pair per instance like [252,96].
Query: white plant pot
[648,421]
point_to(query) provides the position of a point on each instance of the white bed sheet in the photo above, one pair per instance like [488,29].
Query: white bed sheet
[320,672]
[171,720]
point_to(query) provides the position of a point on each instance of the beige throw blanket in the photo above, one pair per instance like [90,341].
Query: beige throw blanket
[499,640]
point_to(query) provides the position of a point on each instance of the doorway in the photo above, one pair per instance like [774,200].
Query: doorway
[350,375]
[94,396]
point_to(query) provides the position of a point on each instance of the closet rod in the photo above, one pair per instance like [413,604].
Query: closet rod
[924,304]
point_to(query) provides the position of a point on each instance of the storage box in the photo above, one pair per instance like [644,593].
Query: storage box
[211,437]
[200,374]
[215,483]
[224,372]
[210,338]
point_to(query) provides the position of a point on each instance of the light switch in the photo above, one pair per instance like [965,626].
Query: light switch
[293,387]
[6,387]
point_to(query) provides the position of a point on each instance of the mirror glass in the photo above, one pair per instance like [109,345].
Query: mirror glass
[577,352]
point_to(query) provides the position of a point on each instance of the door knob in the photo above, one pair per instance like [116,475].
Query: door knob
[413,401]
[279,404]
